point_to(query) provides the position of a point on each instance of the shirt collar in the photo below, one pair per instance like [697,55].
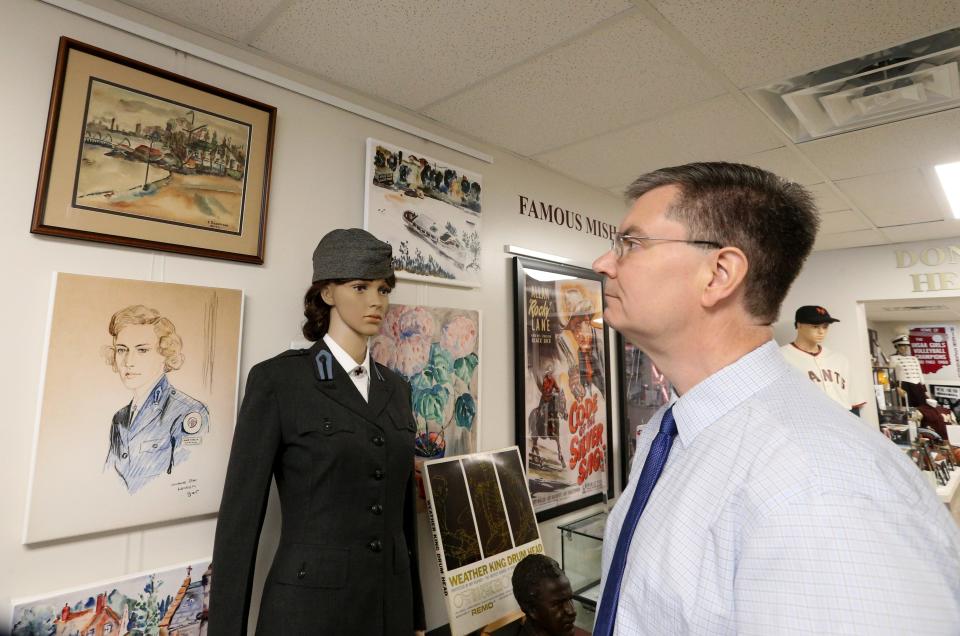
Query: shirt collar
[343,358]
[721,392]
[156,393]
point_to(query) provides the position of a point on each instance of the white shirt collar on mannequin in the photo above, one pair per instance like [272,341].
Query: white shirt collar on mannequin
[360,379]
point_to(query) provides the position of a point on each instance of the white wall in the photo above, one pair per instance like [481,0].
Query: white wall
[842,279]
[317,185]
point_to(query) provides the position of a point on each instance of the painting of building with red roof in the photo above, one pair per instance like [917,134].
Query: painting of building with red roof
[169,602]
[96,621]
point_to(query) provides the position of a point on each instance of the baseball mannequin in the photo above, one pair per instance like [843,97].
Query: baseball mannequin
[907,368]
[335,430]
[828,369]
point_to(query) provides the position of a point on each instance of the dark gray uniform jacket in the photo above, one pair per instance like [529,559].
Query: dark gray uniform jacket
[347,561]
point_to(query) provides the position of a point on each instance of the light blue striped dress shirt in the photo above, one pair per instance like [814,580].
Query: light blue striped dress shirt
[778,512]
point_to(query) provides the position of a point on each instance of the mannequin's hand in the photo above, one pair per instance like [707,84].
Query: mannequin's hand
[419,632]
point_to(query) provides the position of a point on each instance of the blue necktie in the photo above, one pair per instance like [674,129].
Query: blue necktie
[652,467]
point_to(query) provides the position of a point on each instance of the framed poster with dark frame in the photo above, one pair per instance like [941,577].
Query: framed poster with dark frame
[136,155]
[643,390]
[563,422]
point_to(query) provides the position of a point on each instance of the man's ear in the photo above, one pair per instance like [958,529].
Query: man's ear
[727,271]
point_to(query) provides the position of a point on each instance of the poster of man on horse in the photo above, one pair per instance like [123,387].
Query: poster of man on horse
[565,393]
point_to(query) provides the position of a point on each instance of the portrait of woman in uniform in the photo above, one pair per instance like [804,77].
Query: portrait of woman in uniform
[155,430]
[335,430]
[140,381]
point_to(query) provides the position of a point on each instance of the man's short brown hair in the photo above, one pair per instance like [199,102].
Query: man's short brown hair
[774,222]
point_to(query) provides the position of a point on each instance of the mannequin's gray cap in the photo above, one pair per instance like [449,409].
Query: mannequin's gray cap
[352,253]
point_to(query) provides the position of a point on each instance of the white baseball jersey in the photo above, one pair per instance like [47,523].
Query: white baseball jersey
[907,368]
[828,369]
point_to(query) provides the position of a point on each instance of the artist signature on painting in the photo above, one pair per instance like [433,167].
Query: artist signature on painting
[188,487]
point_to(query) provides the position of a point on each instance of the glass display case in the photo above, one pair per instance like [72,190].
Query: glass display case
[581,545]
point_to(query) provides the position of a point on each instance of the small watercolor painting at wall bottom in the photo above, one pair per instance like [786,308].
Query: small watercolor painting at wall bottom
[173,600]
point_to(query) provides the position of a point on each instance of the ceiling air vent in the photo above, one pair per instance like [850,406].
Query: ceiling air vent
[912,79]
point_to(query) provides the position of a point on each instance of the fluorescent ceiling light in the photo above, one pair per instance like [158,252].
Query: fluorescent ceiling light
[545,277]
[544,256]
[949,174]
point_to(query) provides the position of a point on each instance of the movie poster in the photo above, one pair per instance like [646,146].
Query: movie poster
[483,525]
[643,390]
[563,416]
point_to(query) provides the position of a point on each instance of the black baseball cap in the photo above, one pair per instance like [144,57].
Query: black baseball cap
[813,315]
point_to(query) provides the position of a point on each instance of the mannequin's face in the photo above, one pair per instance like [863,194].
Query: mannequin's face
[903,349]
[812,333]
[360,304]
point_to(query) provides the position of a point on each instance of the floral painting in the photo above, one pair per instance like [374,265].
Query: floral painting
[437,350]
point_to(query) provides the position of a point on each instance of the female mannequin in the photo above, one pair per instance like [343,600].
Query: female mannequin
[340,443]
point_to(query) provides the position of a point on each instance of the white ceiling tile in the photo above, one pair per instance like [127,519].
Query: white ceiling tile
[721,129]
[843,221]
[230,18]
[414,53]
[912,143]
[786,163]
[858,238]
[827,200]
[755,42]
[923,231]
[623,73]
[893,198]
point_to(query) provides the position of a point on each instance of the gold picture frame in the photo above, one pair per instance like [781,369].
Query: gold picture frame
[136,155]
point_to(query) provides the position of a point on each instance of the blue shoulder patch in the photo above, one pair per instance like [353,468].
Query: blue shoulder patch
[324,361]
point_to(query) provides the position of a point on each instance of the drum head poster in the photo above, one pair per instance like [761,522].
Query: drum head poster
[563,414]
[483,525]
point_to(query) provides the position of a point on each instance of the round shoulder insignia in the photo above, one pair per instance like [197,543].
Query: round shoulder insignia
[192,423]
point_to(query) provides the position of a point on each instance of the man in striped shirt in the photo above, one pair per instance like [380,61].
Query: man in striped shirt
[774,512]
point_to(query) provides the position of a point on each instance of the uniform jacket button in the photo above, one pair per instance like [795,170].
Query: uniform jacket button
[327,425]
[378,440]
[376,509]
[378,474]
[375,546]
[124,455]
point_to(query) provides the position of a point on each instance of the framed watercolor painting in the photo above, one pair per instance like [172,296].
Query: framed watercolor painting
[643,390]
[137,407]
[136,155]
[563,422]
[428,210]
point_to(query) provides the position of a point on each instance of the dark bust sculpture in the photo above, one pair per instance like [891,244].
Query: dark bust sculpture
[543,592]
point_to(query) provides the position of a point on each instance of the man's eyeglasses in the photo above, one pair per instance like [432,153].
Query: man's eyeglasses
[621,244]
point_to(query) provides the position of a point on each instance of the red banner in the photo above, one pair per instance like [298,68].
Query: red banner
[929,345]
